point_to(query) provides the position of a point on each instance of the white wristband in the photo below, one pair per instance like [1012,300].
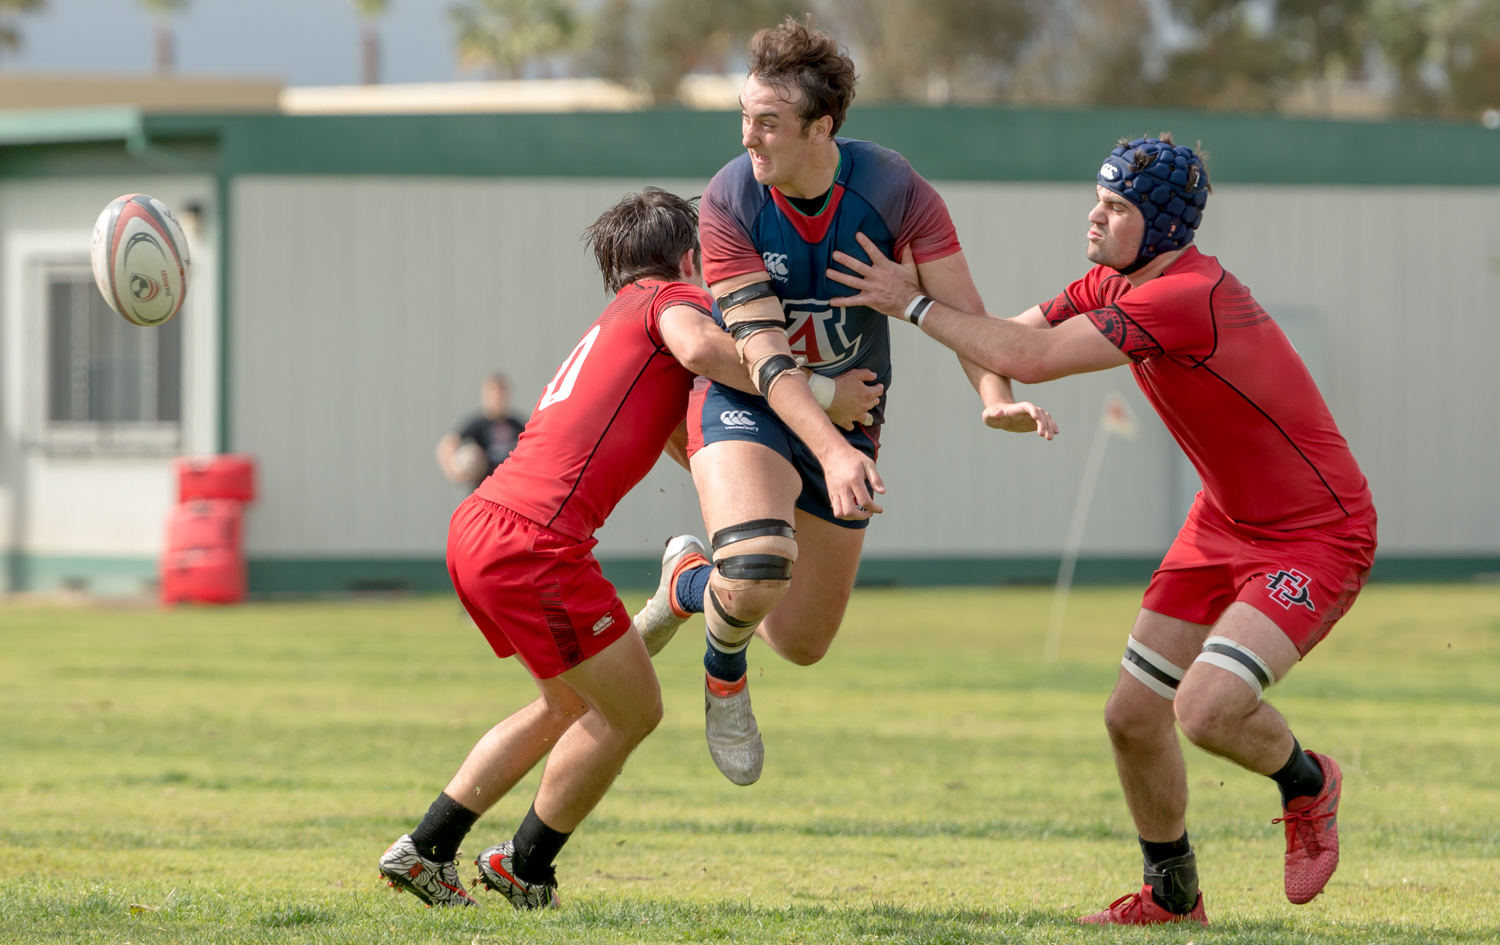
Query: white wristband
[823,389]
[917,308]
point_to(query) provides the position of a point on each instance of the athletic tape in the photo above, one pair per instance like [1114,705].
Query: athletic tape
[744,295]
[756,528]
[917,308]
[1238,659]
[1155,671]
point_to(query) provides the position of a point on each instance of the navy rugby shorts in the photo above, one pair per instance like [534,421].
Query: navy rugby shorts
[717,413]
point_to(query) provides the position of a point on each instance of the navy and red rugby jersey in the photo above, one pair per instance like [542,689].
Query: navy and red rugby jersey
[603,420]
[747,227]
[1231,389]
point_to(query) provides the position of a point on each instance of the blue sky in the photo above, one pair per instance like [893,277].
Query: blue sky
[304,42]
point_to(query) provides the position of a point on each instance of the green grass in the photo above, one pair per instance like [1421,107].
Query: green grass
[231,776]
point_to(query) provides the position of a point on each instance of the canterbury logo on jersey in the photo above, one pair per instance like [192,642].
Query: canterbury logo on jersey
[776,265]
[817,331]
[743,419]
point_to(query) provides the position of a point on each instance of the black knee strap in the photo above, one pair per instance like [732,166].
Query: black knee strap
[755,567]
[757,528]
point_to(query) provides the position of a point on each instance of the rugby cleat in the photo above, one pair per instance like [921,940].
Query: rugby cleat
[436,884]
[660,618]
[1312,835]
[497,871]
[733,737]
[1141,909]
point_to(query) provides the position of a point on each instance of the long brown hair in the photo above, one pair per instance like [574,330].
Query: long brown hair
[794,55]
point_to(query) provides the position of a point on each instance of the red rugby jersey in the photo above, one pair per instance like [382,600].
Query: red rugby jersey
[1231,389]
[603,420]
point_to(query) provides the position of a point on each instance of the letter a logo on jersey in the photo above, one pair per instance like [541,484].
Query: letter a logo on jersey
[1290,588]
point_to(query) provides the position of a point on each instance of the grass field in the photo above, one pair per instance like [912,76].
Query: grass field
[231,776]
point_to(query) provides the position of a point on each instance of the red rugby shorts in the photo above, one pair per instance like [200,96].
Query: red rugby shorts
[532,592]
[1304,579]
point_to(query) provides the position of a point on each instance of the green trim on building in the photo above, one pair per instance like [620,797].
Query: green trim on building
[956,144]
[298,576]
[95,574]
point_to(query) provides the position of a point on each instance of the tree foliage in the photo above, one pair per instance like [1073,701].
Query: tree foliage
[501,37]
[1438,57]
[10,30]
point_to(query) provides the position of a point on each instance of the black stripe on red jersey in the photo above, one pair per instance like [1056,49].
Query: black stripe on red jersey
[1290,442]
[1059,310]
[563,636]
[1124,333]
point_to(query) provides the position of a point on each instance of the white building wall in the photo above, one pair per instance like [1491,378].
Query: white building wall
[63,504]
[367,309]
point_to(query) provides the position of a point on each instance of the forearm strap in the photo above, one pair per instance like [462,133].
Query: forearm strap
[769,369]
[917,308]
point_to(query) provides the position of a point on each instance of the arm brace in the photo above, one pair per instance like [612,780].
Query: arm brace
[771,368]
[750,310]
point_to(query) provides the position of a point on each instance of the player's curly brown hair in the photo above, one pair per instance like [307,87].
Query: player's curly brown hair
[795,55]
[643,237]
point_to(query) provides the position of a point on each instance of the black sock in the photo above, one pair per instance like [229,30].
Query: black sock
[1172,873]
[536,846]
[443,828]
[1301,776]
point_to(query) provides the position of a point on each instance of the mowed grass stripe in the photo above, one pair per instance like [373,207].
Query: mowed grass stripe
[234,773]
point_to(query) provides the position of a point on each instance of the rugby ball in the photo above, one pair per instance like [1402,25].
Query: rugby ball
[140,259]
[469,462]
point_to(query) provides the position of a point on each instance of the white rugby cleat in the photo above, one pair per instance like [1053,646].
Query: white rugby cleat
[659,619]
[733,737]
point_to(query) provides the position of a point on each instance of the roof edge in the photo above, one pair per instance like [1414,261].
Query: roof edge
[70,125]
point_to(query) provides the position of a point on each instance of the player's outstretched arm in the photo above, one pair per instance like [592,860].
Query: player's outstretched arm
[1006,346]
[949,281]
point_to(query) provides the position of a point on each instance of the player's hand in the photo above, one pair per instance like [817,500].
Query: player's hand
[855,395]
[886,286]
[1020,418]
[852,479]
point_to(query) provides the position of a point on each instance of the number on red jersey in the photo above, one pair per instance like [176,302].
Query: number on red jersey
[567,375]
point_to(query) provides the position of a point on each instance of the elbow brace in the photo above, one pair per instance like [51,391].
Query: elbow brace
[750,310]
[752,571]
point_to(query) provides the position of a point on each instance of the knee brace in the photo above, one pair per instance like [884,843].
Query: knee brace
[1155,671]
[1238,659]
[752,570]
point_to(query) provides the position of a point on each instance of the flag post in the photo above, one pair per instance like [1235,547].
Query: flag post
[1116,418]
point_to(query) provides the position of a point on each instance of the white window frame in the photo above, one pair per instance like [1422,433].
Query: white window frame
[76,438]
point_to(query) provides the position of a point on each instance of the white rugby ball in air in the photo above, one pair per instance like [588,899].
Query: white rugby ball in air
[140,258]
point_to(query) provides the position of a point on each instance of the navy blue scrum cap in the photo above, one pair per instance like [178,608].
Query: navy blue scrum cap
[1169,184]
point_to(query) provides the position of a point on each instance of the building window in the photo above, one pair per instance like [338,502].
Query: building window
[109,382]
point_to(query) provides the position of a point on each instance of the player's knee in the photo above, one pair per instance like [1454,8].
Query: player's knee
[1133,721]
[1204,719]
[565,706]
[752,570]
[806,651]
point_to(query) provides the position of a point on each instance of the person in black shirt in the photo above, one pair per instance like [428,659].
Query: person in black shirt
[484,441]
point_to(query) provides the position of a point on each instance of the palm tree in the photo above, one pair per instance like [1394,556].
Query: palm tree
[501,36]
[161,11]
[10,33]
[369,12]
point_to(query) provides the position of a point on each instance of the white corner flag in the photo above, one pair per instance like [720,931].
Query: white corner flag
[1116,418]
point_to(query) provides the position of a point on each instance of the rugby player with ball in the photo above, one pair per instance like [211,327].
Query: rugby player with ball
[520,551]
[1277,544]
[785,534]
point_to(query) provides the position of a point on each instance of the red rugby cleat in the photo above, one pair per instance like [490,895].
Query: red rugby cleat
[1312,835]
[1141,909]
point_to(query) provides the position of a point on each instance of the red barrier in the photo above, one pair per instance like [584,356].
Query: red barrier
[205,523]
[205,575]
[228,476]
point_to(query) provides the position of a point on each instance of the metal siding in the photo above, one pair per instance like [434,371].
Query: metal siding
[367,309]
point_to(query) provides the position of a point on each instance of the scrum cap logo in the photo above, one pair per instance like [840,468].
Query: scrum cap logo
[1109,171]
[737,418]
[776,264]
[143,287]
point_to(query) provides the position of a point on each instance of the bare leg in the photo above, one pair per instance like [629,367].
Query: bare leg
[739,482]
[1142,731]
[509,750]
[802,626]
[624,705]
[1220,713]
